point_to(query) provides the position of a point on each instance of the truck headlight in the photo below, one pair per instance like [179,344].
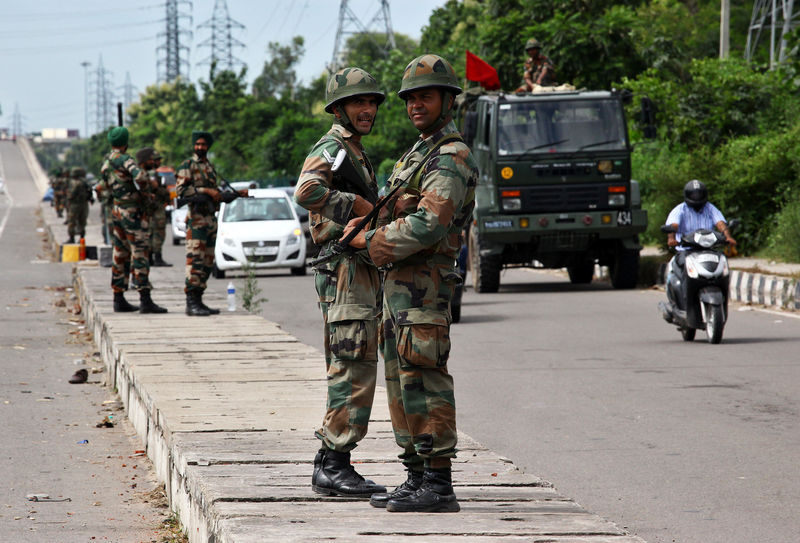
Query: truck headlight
[512,204]
[616,199]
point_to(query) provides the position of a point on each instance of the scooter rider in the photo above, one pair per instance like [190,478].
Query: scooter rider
[694,213]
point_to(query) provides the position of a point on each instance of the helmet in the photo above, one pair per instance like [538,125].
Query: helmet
[77,172]
[695,194]
[428,71]
[532,44]
[349,82]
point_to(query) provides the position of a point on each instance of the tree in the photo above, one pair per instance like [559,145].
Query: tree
[278,76]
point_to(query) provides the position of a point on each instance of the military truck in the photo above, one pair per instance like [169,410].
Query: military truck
[555,187]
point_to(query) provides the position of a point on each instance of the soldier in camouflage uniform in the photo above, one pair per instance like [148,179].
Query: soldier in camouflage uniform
[197,179]
[539,70]
[418,238]
[131,189]
[78,197]
[60,184]
[158,223]
[338,183]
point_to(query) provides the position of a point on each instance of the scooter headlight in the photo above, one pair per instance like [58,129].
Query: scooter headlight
[691,268]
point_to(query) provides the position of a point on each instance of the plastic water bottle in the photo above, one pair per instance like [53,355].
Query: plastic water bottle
[231,296]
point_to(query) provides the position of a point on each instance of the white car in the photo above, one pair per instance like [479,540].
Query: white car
[177,218]
[262,231]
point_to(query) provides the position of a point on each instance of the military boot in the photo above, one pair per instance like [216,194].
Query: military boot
[317,466]
[411,485]
[211,311]
[337,477]
[158,261]
[193,306]
[121,305]
[71,239]
[435,495]
[146,304]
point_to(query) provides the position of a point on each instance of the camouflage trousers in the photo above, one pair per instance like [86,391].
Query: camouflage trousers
[158,229]
[131,249]
[59,201]
[348,297]
[77,213]
[415,342]
[201,236]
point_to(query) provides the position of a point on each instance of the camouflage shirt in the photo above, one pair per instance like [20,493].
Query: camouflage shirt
[127,182]
[195,173]
[540,71]
[317,188]
[427,218]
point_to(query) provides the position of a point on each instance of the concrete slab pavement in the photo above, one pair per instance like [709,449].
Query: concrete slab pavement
[226,407]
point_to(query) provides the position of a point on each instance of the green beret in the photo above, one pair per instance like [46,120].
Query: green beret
[197,134]
[118,136]
[144,154]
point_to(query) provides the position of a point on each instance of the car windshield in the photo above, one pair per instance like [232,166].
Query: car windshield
[258,209]
[560,126]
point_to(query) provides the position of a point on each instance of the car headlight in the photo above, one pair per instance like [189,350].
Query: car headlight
[229,242]
[295,237]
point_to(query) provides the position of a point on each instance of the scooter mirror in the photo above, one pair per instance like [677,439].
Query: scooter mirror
[668,229]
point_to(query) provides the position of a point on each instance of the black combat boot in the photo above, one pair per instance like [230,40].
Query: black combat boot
[410,486]
[337,477]
[71,239]
[317,466]
[158,261]
[210,310]
[193,306]
[146,304]
[121,305]
[435,495]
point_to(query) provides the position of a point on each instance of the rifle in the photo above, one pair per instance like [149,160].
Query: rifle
[201,198]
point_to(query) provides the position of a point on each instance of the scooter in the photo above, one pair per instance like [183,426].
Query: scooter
[698,281]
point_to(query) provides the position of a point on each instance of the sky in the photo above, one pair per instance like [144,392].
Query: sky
[44,42]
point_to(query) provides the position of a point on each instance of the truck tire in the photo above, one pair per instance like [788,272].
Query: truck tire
[581,273]
[625,269]
[485,269]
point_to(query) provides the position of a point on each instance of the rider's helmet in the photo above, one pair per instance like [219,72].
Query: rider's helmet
[532,44]
[695,194]
[349,82]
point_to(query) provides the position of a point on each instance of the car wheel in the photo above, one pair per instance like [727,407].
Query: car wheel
[218,273]
[300,270]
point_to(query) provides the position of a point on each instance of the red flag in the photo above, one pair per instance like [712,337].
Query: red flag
[480,71]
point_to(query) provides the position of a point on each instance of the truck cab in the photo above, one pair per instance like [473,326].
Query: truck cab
[555,187]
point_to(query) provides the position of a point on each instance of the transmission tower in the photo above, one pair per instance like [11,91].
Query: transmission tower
[221,40]
[779,17]
[127,94]
[175,62]
[103,102]
[16,122]
[349,24]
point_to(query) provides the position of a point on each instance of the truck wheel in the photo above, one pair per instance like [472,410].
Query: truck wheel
[485,269]
[625,268]
[581,273]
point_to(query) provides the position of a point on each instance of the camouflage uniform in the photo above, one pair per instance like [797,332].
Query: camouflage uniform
[130,189]
[348,289]
[419,236]
[78,196]
[60,184]
[158,225]
[538,71]
[106,199]
[201,223]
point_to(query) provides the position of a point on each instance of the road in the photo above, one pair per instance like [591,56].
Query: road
[587,387]
[110,486]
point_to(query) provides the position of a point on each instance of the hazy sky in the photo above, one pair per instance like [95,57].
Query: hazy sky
[44,42]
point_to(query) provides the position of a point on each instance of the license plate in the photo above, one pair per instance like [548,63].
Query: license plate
[265,251]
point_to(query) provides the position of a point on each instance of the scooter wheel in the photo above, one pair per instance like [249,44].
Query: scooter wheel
[688,334]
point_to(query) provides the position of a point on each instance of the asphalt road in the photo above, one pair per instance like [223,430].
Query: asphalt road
[590,389]
[102,489]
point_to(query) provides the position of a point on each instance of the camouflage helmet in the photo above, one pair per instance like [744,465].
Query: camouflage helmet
[349,82]
[77,172]
[428,71]
[532,44]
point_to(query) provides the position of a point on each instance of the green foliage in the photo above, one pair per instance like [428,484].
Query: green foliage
[251,299]
[278,77]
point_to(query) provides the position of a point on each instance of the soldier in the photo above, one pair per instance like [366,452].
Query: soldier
[60,184]
[130,187]
[336,184]
[158,222]
[197,181]
[538,68]
[78,197]
[418,239]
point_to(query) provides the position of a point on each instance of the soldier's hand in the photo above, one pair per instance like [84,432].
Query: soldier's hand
[244,193]
[215,195]
[361,206]
[360,241]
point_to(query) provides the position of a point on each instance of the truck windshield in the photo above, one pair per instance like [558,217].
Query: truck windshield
[560,126]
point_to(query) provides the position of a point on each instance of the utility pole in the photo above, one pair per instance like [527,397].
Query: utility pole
[349,23]
[175,62]
[86,65]
[724,29]
[16,126]
[221,40]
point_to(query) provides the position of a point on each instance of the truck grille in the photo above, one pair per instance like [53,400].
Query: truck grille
[570,197]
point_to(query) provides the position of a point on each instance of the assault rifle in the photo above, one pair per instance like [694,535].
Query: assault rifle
[198,199]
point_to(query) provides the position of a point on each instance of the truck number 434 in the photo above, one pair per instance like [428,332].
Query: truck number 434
[624,218]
